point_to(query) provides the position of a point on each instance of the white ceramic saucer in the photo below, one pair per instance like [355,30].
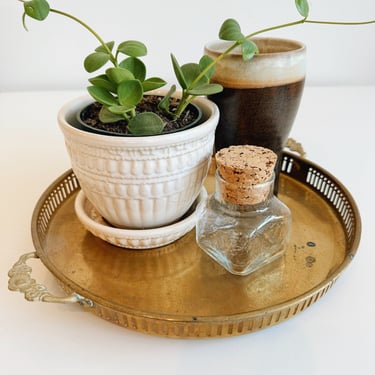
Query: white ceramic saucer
[134,238]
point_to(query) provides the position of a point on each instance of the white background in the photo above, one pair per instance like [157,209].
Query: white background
[50,55]
[335,124]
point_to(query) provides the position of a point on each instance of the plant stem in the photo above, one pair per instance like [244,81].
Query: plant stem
[235,44]
[340,23]
[185,100]
[284,25]
[87,27]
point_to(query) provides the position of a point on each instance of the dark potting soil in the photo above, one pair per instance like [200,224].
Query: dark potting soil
[90,116]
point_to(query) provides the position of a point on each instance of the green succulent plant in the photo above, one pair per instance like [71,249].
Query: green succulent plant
[121,87]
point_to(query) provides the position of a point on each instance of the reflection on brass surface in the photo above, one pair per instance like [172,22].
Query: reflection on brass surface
[177,290]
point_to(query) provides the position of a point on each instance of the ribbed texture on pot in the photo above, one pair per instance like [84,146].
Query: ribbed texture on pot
[140,182]
[134,238]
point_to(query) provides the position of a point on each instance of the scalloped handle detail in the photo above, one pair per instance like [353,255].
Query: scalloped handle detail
[20,281]
[295,146]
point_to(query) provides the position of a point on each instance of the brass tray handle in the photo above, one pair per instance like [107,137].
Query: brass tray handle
[295,146]
[20,280]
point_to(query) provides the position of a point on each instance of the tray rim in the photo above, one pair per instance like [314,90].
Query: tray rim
[308,297]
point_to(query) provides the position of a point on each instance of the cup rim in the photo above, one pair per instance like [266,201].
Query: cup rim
[214,46]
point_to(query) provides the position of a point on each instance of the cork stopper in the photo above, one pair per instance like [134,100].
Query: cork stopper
[246,171]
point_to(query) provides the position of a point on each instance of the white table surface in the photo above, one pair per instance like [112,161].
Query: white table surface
[333,336]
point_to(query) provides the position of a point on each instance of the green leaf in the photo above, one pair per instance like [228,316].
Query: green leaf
[230,30]
[303,7]
[37,9]
[164,103]
[191,71]
[120,109]
[103,81]
[102,95]
[204,62]
[132,48]
[249,49]
[102,49]
[206,89]
[146,123]
[130,93]
[178,72]
[153,83]
[136,66]
[118,75]
[95,61]
[106,116]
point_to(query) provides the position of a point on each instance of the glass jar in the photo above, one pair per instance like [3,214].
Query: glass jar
[243,237]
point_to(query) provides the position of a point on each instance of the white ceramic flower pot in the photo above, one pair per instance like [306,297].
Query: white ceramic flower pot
[140,182]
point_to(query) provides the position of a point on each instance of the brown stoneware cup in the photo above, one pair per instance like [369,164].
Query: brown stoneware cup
[261,96]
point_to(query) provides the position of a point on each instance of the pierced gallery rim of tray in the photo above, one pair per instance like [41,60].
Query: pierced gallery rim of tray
[177,290]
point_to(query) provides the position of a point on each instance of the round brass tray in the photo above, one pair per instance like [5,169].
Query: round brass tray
[177,290]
